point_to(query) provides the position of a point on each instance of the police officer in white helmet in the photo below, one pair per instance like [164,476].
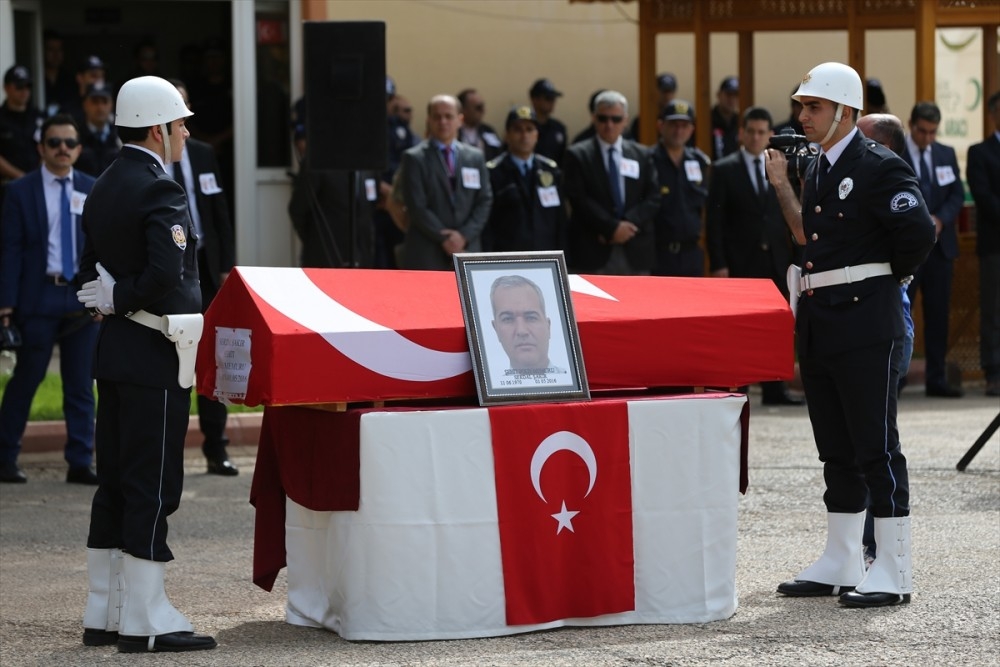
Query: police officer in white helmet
[865,228]
[141,269]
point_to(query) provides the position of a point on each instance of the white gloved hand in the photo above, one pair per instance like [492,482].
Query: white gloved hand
[99,294]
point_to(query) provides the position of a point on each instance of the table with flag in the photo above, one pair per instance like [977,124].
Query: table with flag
[409,524]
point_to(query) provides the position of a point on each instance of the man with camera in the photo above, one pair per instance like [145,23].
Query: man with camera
[865,228]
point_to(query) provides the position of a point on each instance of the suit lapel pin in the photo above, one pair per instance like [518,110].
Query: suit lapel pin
[845,188]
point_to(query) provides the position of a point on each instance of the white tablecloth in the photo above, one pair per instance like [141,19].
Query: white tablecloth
[420,559]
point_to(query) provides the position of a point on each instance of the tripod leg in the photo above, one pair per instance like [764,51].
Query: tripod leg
[978,444]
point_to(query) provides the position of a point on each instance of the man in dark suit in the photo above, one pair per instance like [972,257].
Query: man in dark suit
[529,210]
[140,265]
[984,182]
[936,168]
[865,229]
[613,194]
[447,192]
[683,175]
[39,258]
[200,178]
[746,233]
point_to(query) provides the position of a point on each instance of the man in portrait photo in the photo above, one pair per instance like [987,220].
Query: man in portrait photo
[522,326]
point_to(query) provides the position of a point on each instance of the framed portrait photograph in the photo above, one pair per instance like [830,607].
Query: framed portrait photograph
[521,328]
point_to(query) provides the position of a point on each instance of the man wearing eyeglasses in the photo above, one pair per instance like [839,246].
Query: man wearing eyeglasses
[611,186]
[19,123]
[41,241]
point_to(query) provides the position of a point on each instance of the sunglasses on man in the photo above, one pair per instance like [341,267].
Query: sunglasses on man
[55,142]
[604,118]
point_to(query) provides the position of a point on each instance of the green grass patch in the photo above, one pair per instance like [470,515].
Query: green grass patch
[47,404]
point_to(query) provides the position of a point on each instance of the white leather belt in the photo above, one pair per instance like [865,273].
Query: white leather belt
[843,276]
[184,331]
[147,319]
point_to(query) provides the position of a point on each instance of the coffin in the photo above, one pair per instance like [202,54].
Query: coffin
[284,336]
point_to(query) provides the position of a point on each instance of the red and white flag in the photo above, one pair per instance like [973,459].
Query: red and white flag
[564,504]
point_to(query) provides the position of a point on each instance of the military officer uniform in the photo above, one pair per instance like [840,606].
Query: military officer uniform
[528,207]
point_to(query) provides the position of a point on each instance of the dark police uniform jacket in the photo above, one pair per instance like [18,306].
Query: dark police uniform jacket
[867,209]
[138,227]
[682,199]
[97,154]
[551,140]
[518,221]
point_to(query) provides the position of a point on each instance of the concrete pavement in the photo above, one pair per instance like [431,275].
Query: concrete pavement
[954,618]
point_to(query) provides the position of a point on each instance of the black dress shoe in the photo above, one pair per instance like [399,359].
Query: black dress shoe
[222,466]
[81,476]
[783,399]
[174,642]
[944,392]
[11,474]
[95,637]
[855,599]
[810,589]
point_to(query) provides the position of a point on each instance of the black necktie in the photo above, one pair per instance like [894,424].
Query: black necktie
[759,176]
[179,177]
[824,167]
[615,182]
[925,176]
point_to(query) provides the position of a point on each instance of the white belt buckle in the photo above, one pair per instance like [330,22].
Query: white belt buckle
[847,274]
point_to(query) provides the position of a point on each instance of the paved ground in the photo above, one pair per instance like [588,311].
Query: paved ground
[954,618]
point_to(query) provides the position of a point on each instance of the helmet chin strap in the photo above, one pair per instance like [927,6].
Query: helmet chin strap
[838,114]
[166,144]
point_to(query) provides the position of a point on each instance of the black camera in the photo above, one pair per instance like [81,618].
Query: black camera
[798,151]
[10,337]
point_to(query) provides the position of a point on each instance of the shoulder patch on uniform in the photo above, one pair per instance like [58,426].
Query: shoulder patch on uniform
[902,202]
[180,240]
[548,162]
[492,164]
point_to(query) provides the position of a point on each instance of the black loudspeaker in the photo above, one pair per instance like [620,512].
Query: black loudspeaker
[345,94]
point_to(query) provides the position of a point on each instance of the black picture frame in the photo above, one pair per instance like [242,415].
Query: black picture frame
[520,355]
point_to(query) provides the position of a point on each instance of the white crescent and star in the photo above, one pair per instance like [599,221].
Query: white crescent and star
[562,441]
[383,350]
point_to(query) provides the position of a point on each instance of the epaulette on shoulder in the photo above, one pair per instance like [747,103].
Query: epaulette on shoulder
[492,164]
[694,151]
[878,149]
[547,161]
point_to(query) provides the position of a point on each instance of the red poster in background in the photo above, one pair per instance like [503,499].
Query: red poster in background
[271,32]
[564,504]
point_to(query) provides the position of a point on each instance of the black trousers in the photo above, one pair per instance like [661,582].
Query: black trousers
[933,280]
[140,466]
[852,407]
[212,414]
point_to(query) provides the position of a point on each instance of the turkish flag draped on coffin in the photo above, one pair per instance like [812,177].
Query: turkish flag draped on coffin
[564,504]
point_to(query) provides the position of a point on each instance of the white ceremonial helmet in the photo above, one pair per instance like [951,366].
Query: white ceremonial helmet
[147,101]
[836,82]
